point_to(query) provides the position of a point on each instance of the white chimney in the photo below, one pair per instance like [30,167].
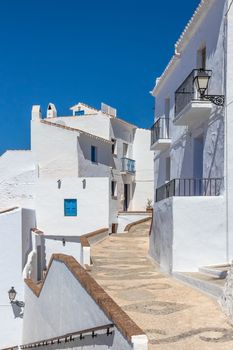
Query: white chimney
[36,112]
[51,111]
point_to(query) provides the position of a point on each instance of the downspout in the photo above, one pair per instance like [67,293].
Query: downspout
[225,51]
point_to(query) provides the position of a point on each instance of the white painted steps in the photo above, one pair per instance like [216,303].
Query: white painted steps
[207,284]
[217,271]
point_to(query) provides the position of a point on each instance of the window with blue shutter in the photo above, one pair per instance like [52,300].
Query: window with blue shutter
[70,207]
[81,112]
[94,154]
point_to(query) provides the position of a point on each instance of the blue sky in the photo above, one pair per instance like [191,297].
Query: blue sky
[91,51]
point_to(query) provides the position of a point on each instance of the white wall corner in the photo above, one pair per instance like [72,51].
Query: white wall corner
[140,342]
[36,112]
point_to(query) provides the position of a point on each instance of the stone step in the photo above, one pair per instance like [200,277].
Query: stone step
[207,284]
[217,271]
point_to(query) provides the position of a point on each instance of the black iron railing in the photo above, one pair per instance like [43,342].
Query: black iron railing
[160,130]
[187,91]
[190,187]
[128,165]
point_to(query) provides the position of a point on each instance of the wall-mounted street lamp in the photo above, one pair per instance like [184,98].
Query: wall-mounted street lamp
[12,295]
[202,81]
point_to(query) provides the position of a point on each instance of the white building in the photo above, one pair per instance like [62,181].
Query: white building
[191,137]
[81,171]
[93,157]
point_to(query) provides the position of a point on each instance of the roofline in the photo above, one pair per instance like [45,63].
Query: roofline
[85,105]
[43,121]
[183,40]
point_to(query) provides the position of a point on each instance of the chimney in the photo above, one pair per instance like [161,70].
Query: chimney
[51,111]
[36,112]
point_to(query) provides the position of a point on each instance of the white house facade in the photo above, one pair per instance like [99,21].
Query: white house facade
[191,137]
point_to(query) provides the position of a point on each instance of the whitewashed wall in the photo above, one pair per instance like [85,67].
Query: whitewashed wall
[209,32]
[15,245]
[55,150]
[96,124]
[144,180]
[17,179]
[123,133]
[228,134]
[188,232]
[92,205]
[64,306]
[86,167]
[54,245]
[182,221]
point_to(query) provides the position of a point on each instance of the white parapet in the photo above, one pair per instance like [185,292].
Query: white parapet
[140,342]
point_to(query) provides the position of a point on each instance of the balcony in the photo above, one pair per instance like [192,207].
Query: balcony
[190,187]
[127,166]
[190,106]
[160,135]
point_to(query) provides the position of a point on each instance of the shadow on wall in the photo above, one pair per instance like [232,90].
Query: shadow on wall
[87,341]
[17,308]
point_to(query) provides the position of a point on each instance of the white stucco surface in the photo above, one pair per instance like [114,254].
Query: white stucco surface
[92,205]
[144,179]
[193,231]
[62,307]
[17,179]
[15,245]
[185,236]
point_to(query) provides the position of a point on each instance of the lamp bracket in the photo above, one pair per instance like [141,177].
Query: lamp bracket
[218,100]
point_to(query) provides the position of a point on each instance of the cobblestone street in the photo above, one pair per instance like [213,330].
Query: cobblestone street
[173,315]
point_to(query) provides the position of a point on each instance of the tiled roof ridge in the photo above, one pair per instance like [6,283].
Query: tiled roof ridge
[192,20]
[74,129]
[37,231]
[113,311]
[178,43]
[8,210]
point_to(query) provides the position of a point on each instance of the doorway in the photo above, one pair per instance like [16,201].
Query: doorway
[126,196]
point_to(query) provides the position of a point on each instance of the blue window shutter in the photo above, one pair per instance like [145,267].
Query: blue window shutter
[81,112]
[70,207]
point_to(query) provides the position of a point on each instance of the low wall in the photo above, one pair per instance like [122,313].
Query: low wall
[68,301]
[126,218]
[88,240]
[188,232]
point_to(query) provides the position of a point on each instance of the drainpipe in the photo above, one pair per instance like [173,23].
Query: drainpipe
[225,51]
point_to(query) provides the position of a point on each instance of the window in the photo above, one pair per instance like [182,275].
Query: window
[114,146]
[114,189]
[81,112]
[168,169]
[94,154]
[70,207]
[125,149]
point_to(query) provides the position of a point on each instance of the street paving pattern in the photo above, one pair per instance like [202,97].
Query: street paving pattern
[173,315]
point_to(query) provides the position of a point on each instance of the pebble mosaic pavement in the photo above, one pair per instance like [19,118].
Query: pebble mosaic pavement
[173,315]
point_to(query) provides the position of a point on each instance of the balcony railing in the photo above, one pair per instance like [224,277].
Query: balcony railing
[187,91]
[190,187]
[160,130]
[128,165]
